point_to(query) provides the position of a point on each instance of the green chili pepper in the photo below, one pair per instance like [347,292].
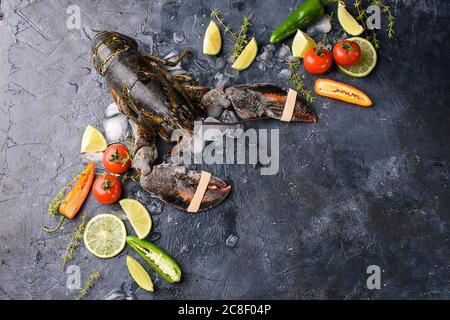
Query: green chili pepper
[157,258]
[308,13]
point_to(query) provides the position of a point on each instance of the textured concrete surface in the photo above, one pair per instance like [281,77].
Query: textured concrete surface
[360,187]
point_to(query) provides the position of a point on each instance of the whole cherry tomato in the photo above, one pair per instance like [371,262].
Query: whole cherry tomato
[346,53]
[107,189]
[317,60]
[117,159]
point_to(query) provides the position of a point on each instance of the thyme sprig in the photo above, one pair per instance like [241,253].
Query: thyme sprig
[362,18]
[297,80]
[134,177]
[216,15]
[53,207]
[75,240]
[124,177]
[94,276]
[59,198]
[240,38]
[56,202]
[390,29]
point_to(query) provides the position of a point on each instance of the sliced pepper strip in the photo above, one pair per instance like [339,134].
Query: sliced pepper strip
[341,91]
[76,197]
[157,258]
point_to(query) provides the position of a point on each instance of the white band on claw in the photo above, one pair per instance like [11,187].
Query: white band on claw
[196,201]
[288,110]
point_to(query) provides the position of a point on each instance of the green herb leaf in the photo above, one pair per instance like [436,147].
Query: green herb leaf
[240,38]
[94,276]
[297,80]
[75,240]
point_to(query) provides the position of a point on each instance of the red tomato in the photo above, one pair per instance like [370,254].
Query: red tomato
[117,159]
[317,60]
[107,189]
[346,53]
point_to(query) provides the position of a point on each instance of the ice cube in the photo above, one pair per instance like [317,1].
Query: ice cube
[178,37]
[111,110]
[116,128]
[228,116]
[153,205]
[285,74]
[322,26]
[232,241]
[283,52]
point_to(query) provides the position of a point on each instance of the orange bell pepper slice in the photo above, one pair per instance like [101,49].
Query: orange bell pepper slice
[76,197]
[341,91]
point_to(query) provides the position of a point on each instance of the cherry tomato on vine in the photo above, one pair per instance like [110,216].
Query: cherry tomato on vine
[346,53]
[117,159]
[317,60]
[107,189]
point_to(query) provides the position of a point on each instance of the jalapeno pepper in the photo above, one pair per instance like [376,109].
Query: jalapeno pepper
[308,13]
[157,258]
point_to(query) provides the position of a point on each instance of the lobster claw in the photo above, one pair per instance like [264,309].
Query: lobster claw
[259,100]
[176,185]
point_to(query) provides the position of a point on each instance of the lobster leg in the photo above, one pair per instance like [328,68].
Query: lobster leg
[192,93]
[167,63]
[146,151]
[182,78]
[124,107]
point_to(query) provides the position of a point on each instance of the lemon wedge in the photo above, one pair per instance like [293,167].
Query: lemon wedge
[348,23]
[139,274]
[93,140]
[247,56]
[212,43]
[302,43]
[138,215]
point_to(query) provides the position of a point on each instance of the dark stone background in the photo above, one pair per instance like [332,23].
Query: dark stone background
[359,187]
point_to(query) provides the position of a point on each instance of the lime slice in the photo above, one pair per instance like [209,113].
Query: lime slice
[139,274]
[105,236]
[348,23]
[247,56]
[302,43]
[367,62]
[139,217]
[213,41]
[93,140]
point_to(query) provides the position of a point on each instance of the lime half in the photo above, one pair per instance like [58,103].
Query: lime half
[247,56]
[302,43]
[348,23]
[138,215]
[139,274]
[213,41]
[105,236]
[367,62]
